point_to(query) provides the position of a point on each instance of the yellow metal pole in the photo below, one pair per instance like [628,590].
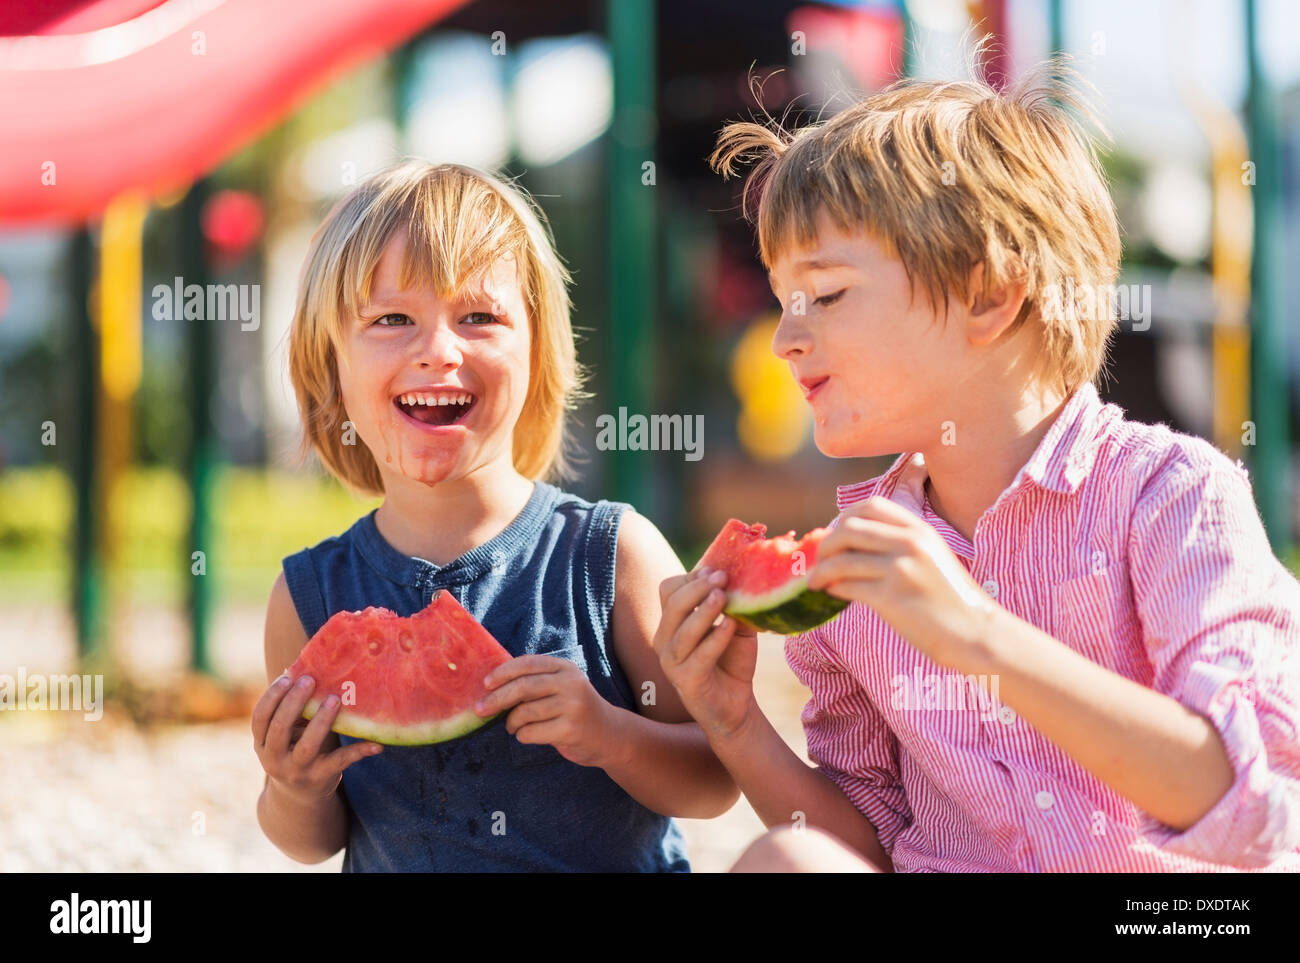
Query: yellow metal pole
[118,319]
[1231,245]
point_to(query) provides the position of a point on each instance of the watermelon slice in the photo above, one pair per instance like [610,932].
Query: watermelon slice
[413,681]
[767,578]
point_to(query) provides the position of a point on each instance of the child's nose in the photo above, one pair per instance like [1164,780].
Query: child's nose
[439,348]
[791,336]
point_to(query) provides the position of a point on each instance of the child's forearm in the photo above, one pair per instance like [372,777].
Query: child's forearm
[1149,748]
[778,784]
[308,832]
[668,767]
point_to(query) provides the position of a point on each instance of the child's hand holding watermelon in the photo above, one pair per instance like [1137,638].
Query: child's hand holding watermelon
[290,749]
[711,667]
[886,557]
[554,704]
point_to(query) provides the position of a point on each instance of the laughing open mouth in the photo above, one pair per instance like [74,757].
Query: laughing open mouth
[437,408]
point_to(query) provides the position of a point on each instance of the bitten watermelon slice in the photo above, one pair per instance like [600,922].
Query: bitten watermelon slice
[767,578]
[414,681]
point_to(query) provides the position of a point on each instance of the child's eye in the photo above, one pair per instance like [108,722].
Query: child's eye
[481,317]
[385,322]
[826,300]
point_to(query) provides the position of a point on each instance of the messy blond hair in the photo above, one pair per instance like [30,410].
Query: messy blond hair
[948,175]
[458,222]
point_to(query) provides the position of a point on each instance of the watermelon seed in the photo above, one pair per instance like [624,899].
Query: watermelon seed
[407,643]
[374,648]
[452,666]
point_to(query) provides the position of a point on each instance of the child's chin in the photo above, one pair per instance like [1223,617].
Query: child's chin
[837,444]
[425,467]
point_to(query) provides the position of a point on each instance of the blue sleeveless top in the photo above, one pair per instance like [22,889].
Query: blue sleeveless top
[487,802]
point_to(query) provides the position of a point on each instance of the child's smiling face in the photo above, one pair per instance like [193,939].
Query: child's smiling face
[435,385]
[879,370]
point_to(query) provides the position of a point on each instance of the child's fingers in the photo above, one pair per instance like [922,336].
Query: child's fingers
[312,737]
[539,710]
[523,689]
[855,590]
[682,602]
[341,758]
[670,585]
[877,506]
[706,654]
[855,565]
[265,708]
[299,727]
[863,535]
[523,665]
[680,607]
[540,733]
[288,712]
[697,625]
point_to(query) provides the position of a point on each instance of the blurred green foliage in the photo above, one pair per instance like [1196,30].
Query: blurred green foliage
[260,517]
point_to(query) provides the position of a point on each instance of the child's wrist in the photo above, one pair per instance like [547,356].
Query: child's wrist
[298,797]
[979,649]
[730,738]
[617,749]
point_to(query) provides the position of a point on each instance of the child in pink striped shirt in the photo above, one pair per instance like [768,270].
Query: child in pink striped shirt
[1070,646]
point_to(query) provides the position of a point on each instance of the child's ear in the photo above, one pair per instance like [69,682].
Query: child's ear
[991,312]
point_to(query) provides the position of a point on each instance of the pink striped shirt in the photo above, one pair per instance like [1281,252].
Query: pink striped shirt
[1140,548]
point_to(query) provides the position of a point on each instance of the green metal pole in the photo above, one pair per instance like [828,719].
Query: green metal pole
[633,229]
[909,39]
[201,345]
[88,584]
[1270,405]
[1055,26]
[402,74]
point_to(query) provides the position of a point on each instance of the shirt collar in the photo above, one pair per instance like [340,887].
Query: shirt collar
[1068,451]
[415,572]
[1060,463]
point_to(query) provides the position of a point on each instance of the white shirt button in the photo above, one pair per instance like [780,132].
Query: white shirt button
[1044,800]
[1007,715]
[991,587]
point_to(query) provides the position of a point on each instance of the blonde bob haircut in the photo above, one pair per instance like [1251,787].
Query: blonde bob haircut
[948,175]
[458,222]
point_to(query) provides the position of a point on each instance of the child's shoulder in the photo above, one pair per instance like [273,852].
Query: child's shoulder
[1153,462]
[613,523]
[566,502]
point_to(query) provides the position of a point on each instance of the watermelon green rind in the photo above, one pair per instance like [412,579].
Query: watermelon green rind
[798,613]
[442,730]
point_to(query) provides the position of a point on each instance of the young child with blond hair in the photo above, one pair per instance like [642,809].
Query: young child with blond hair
[1121,637]
[433,360]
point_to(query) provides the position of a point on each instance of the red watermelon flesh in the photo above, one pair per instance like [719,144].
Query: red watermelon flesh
[767,578]
[402,681]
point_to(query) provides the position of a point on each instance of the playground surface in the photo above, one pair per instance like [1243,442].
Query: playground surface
[113,796]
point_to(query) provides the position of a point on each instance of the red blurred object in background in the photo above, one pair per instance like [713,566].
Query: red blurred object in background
[868,41]
[102,97]
[232,223]
[19,19]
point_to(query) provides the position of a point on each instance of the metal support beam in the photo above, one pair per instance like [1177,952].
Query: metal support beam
[201,364]
[1270,402]
[633,229]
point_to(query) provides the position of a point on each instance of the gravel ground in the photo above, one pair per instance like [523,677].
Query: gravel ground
[111,796]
